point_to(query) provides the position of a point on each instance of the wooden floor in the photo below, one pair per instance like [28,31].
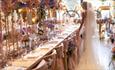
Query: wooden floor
[96,57]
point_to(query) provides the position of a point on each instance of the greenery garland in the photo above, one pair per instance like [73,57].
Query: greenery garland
[41,14]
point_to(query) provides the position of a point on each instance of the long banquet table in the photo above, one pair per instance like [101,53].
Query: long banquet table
[31,59]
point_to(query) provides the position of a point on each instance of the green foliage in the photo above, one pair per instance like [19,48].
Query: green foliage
[41,14]
[103,0]
[113,57]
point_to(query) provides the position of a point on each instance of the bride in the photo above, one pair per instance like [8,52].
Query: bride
[89,59]
[89,24]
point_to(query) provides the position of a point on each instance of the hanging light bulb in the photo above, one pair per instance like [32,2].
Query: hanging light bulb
[19,10]
[33,20]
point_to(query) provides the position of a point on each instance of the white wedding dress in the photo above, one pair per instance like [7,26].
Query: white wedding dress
[88,59]
[90,26]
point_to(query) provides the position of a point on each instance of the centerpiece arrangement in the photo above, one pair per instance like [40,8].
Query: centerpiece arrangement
[23,26]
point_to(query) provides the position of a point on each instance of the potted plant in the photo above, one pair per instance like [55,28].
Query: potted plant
[102,1]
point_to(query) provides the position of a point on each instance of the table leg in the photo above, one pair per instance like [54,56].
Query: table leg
[65,55]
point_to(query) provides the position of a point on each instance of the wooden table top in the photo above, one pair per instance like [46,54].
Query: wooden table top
[29,60]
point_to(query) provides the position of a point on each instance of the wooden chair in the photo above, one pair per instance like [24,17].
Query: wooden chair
[60,58]
[112,62]
[47,63]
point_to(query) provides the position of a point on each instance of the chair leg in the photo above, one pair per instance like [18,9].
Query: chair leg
[113,65]
[110,63]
